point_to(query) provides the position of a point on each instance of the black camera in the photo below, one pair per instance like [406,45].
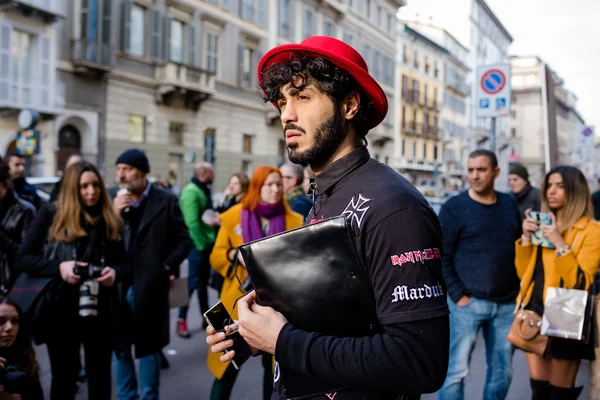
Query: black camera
[13,381]
[89,271]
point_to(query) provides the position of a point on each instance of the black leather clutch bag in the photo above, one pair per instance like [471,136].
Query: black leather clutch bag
[314,277]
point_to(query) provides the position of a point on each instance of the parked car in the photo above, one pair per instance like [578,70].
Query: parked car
[43,186]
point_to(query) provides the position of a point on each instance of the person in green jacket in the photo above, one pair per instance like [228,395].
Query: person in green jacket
[201,220]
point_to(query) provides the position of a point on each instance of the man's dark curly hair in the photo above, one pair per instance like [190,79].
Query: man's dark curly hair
[303,70]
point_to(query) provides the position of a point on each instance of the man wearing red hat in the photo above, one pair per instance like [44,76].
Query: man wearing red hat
[328,103]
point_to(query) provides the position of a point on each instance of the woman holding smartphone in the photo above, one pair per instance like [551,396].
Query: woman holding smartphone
[263,212]
[574,260]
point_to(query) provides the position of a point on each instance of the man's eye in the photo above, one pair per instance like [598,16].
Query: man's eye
[281,104]
[302,97]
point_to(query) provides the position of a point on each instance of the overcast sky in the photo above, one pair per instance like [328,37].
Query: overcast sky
[566,35]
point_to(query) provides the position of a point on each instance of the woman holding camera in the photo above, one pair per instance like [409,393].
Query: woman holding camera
[573,261]
[263,212]
[77,241]
[19,370]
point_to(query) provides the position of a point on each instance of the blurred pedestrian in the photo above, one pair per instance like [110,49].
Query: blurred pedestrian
[263,212]
[16,216]
[308,174]
[78,241]
[24,190]
[18,364]
[293,177]
[235,191]
[157,242]
[480,227]
[201,220]
[572,263]
[596,202]
[73,158]
[526,195]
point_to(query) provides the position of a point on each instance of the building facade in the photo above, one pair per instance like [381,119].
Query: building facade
[28,33]
[419,102]
[475,26]
[545,124]
[177,78]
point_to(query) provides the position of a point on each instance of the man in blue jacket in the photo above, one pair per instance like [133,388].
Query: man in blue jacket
[480,228]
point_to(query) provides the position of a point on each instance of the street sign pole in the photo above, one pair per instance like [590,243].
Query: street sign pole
[493,135]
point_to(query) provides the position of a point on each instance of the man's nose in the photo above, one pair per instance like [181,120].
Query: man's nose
[289,114]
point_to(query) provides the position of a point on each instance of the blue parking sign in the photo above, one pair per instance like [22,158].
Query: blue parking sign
[501,103]
[484,103]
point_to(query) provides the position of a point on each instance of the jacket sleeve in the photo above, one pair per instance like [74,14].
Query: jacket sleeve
[178,236]
[410,357]
[218,258]
[523,256]
[450,228]
[191,209]
[587,260]
[29,258]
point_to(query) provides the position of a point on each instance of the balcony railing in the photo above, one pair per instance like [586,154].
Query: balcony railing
[49,10]
[92,55]
[194,83]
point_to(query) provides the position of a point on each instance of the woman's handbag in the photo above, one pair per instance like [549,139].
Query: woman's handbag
[568,313]
[525,333]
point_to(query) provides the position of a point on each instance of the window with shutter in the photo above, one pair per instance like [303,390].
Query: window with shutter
[307,24]
[212,51]
[157,30]
[126,26]
[23,61]
[137,38]
[5,64]
[176,37]
[284,20]
[45,71]
[167,37]
[292,20]
[262,13]
[192,45]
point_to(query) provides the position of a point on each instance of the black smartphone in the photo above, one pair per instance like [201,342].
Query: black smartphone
[218,317]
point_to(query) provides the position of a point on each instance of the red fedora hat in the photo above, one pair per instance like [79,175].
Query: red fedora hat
[343,56]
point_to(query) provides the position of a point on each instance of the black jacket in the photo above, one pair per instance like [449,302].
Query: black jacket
[65,299]
[596,202]
[16,216]
[528,198]
[162,240]
[398,238]
[27,192]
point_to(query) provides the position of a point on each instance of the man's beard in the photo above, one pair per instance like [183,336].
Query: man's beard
[134,187]
[327,138]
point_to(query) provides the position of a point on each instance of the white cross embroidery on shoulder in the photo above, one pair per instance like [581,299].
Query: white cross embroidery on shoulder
[356,210]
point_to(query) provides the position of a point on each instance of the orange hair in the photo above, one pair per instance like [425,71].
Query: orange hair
[252,197]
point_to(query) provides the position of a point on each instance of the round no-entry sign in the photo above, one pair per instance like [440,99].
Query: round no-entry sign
[493,81]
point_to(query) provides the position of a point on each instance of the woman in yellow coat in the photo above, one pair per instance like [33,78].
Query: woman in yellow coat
[263,212]
[574,260]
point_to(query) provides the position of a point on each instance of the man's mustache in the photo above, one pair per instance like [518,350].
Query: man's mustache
[294,127]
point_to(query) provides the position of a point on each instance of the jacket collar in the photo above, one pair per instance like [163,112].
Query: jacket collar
[581,223]
[340,168]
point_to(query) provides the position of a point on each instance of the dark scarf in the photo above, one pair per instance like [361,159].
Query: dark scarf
[206,189]
[523,194]
[251,226]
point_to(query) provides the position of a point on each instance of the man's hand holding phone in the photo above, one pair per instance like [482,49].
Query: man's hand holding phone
[220,343]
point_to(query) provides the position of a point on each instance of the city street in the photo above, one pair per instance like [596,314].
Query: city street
[189,377]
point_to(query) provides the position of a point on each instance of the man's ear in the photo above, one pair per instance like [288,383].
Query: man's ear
[350,105]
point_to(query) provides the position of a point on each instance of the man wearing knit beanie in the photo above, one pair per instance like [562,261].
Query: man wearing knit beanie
[526,195]
[157,242]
